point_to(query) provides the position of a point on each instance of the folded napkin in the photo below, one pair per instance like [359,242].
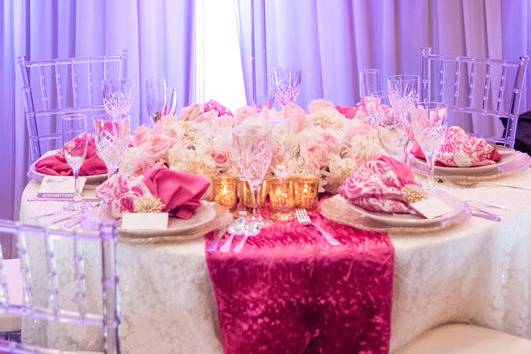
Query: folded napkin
[380,185]
[462,150]
[56,164]
[179,192]
[348,112]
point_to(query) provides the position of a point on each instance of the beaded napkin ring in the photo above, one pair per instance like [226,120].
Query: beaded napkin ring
[413,193]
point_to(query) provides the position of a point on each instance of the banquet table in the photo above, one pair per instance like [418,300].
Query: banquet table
[478,271]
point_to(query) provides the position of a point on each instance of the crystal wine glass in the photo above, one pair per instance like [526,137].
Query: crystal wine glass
[403,93]
[285,84]
[252,154]
[75,142]
[369,82]
[156,98]
[393,133]
[117,96]
[112,138]
[429,124]
[373,105]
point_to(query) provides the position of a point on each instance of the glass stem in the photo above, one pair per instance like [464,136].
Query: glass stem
[77,193]
[253,191]
[430,160]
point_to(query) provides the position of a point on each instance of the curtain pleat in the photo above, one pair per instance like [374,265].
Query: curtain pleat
[331,40]
[157,34]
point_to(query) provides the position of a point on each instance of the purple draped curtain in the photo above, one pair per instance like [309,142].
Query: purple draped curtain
[158,35]
[331,40]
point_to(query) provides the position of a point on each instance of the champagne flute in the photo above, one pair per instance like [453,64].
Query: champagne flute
[285,83]
[369,82]
[429,124]
[112,139]
[156,98]
[75,142]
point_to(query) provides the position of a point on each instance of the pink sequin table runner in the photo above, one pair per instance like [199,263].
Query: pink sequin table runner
[288,291]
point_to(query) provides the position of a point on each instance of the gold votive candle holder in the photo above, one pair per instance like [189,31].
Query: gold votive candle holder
[246,198]
[281,199]
[225,190]
[305,189]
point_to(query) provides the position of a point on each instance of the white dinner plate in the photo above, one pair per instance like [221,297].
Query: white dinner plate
[507,156]
[32,173]
[410,220]
[177,227]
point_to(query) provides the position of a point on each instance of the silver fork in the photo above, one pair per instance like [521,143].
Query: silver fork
[304,219]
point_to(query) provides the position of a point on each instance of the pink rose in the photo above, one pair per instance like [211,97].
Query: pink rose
[141,135]
[217,107]
[319,105]
[317,155]
[331,143]
[192,113]
[159,144]
[165,125]
[296,115]
[220,157]
[145,160]
[244,113]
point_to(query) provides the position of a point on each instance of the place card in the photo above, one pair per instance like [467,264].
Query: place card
[431,207]
[59,187]
[145,221]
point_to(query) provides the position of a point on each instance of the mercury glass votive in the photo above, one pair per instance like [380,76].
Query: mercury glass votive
[281,199]
[246,198]
[226,191]
[305,189]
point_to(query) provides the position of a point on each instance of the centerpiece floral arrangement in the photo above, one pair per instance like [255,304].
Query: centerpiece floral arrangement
[326,141]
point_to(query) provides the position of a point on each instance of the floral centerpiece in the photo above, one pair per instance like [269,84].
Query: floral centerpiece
[325,141]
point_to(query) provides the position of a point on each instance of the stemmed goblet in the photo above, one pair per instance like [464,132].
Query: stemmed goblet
[393,131]
[117,96]
[252,155]
[429,124]
[75,142]
[285,84]
[112,138]
[403,93]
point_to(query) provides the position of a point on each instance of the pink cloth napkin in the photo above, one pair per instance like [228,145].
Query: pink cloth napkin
[377,186]
[179,192]
[348,112]
[462,150]
[56,165]
[289,291]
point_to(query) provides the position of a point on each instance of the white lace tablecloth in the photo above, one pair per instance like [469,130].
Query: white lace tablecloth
[478,271]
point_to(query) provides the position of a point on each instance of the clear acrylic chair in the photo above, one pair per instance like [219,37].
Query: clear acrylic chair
[60,86]
[481,94]
[76,311]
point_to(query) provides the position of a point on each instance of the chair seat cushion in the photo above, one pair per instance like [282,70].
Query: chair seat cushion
[467,339]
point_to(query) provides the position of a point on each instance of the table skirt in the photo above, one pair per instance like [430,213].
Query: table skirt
[478,272]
